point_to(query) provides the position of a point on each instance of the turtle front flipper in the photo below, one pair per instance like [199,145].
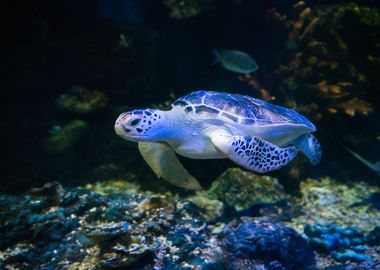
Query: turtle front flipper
[162,159]
[254,153]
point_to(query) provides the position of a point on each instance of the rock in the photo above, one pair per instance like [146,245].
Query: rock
[210,209]
[343,244]
[53,227]
[183,9]
[48,229]
[367,265]
[265,242]
[139,259]
[114,186]
[82,101]
[106,232]
[242,189]
[154,203]
[349,255]
[62,137]
[373,237]
[327,201]
[51,189]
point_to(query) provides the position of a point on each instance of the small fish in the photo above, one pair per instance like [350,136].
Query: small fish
[373,166]
[236,61]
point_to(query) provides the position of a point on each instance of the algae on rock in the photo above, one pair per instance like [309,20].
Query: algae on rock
[242,189]
[82,101]
[114,186]
[180,9]
[209,208]
[62,137]
[328,201]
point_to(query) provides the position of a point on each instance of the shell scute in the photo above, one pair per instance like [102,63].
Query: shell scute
[205,109]
[240,109]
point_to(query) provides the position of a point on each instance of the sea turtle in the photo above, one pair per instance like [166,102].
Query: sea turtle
[255,134]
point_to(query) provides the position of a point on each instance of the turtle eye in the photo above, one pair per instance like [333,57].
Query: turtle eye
[134,122]
[126,129]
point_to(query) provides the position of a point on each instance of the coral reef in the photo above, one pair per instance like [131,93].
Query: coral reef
[343,244]
[57,228]
[242,189]
[337,218]
[180,9]
[62,137]
[53,227]
[325,67]
[310,74]
[259,240]
[328,201]
[82,101]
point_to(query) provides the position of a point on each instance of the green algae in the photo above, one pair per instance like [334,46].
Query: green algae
[180,9]
[114,186]
[64,137]
[369,17]
[82,101]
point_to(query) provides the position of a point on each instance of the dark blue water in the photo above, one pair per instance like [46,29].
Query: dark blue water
[50,47]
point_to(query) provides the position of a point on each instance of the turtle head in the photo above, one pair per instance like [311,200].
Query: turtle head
[139,125]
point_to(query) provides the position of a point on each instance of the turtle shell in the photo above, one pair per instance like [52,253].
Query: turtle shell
[238,109]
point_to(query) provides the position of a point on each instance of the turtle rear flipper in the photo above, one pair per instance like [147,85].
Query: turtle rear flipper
[254,153]
[162,159]
[310,147]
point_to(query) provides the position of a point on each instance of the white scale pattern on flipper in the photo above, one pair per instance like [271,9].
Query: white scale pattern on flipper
[255,154]
[310,147]
[316,148]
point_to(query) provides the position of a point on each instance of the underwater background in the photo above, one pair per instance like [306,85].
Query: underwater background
[74,195]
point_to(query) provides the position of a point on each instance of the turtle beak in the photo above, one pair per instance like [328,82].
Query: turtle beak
[120,129]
